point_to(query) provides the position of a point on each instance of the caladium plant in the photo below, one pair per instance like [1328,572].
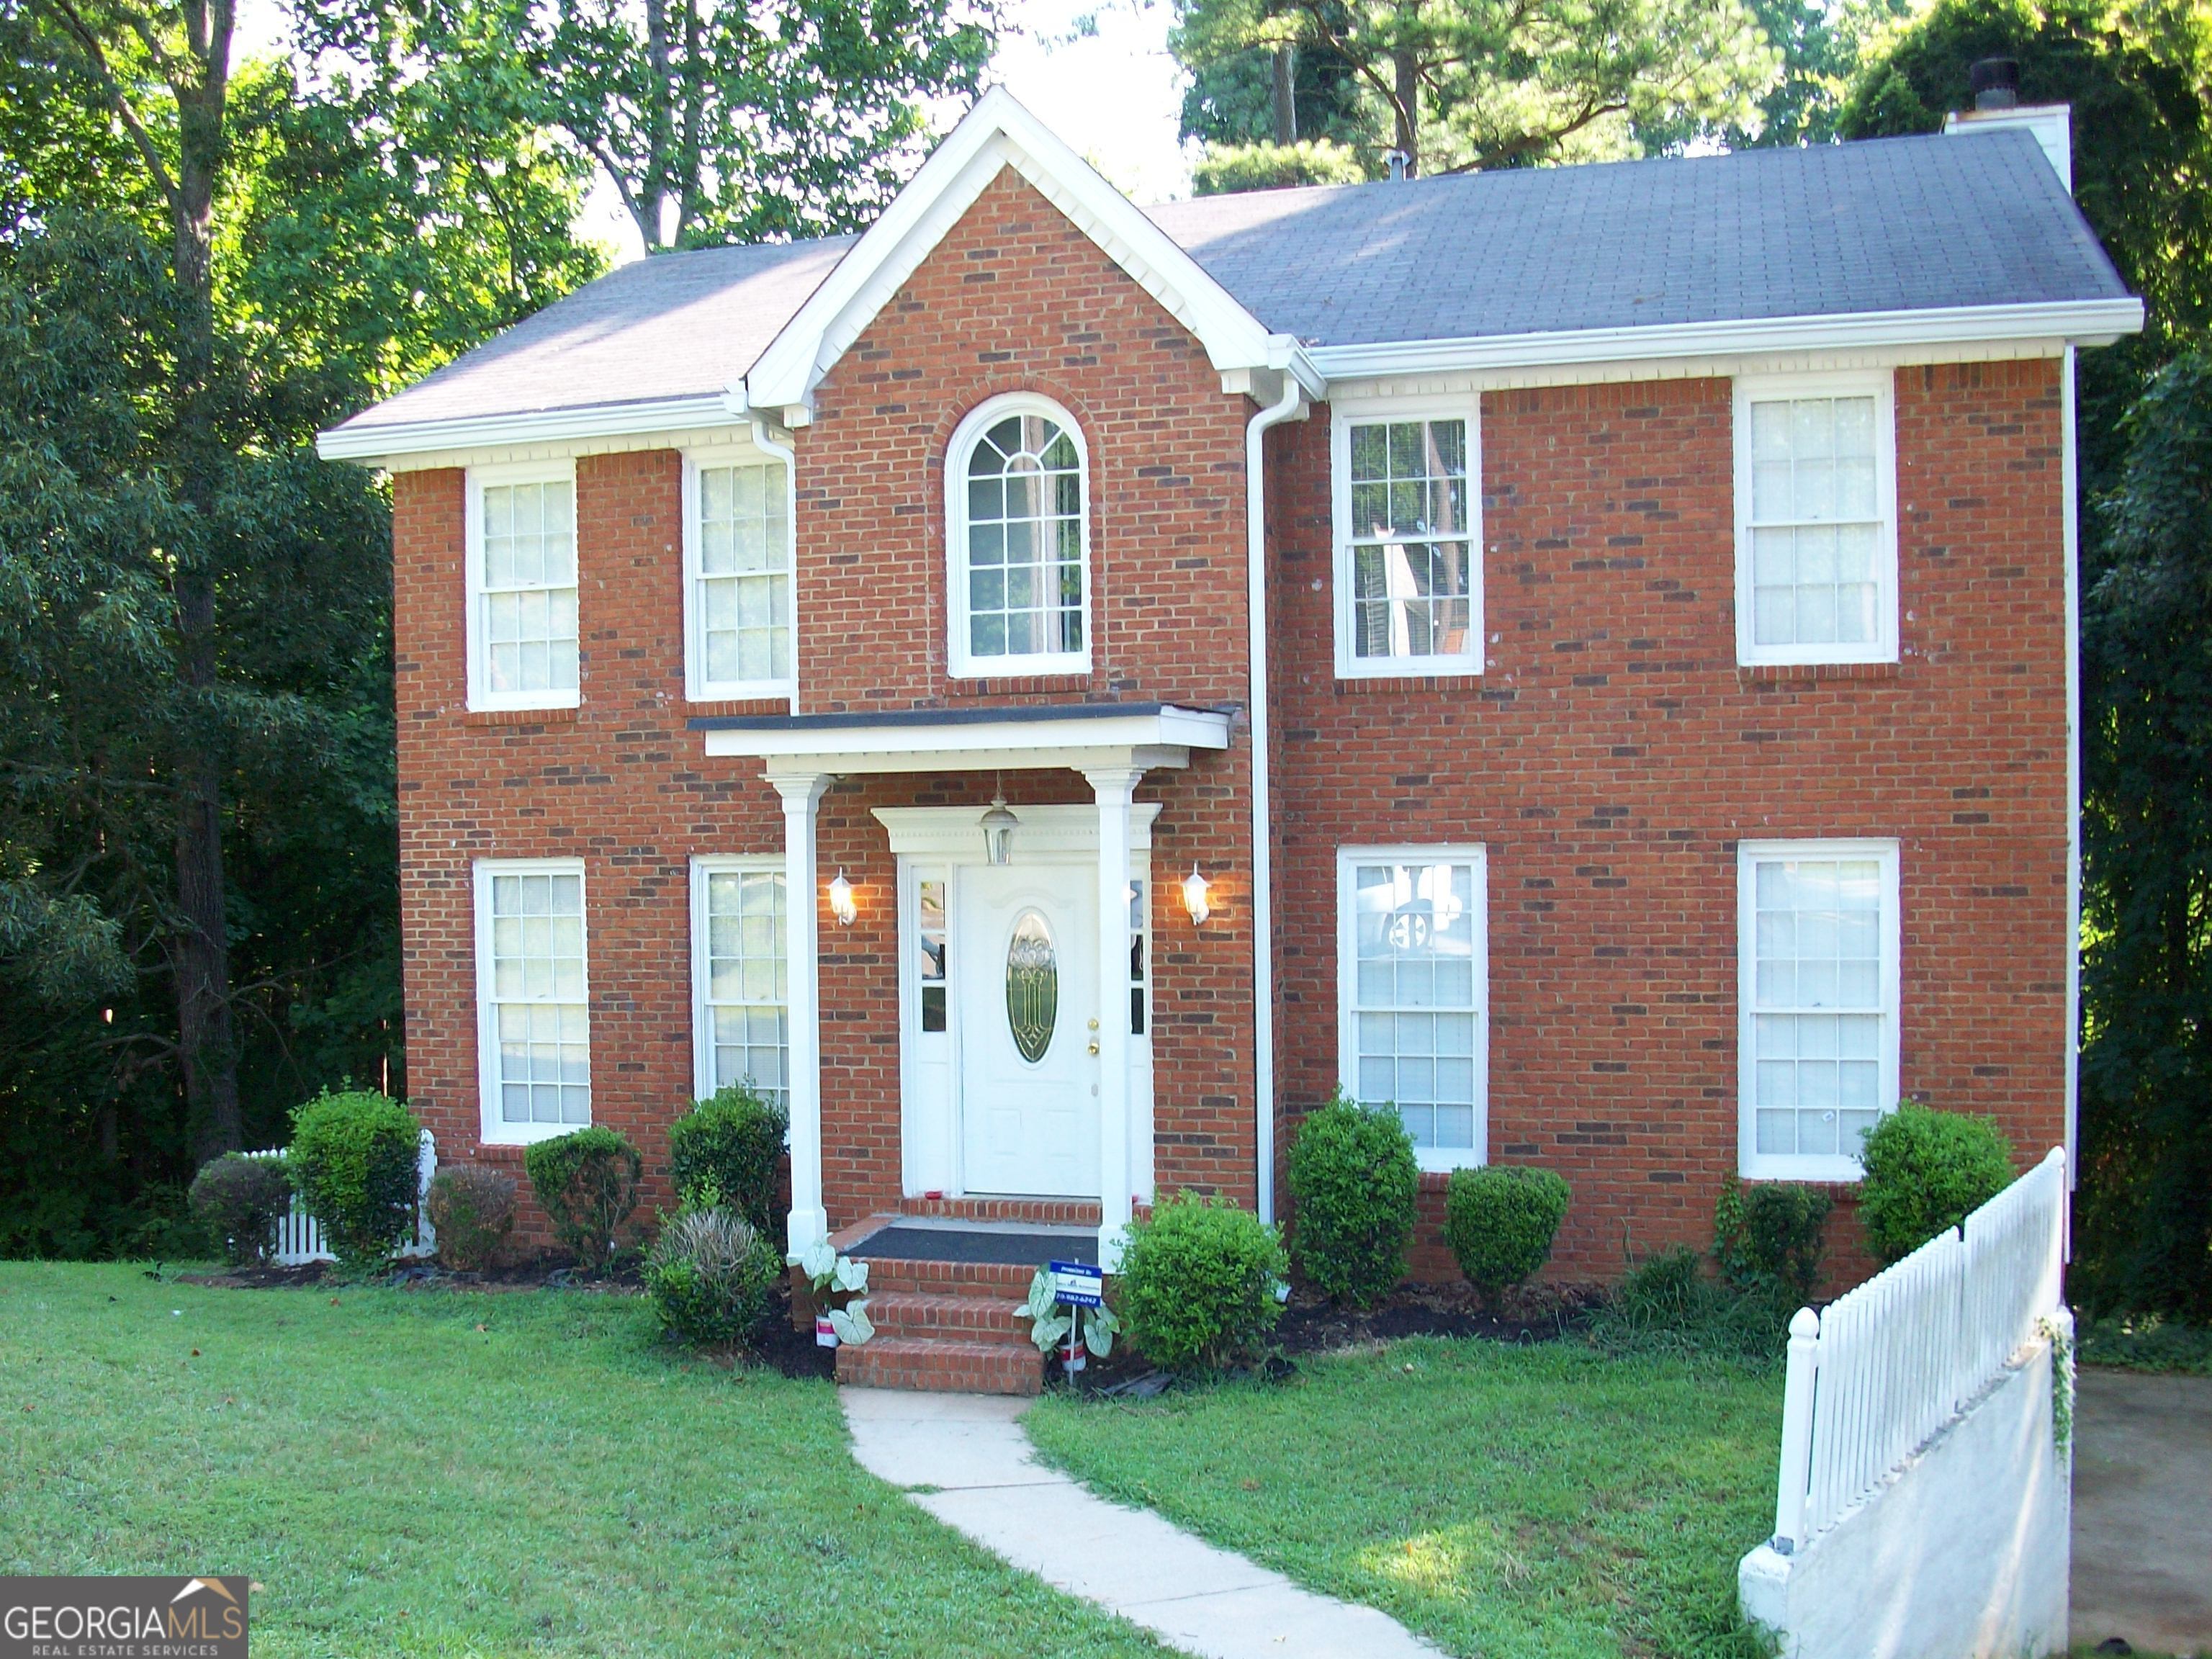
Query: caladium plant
[1051,1320]
[834,1275]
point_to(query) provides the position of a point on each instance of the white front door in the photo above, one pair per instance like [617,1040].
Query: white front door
[1025,958]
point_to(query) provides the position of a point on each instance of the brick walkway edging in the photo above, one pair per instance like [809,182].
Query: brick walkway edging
[964,1458]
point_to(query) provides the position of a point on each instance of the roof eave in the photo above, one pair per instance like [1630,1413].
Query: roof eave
[389,440]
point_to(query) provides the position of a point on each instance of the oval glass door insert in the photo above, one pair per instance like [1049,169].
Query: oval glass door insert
[1032,985]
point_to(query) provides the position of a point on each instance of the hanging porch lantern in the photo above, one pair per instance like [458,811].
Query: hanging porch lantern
[999,826]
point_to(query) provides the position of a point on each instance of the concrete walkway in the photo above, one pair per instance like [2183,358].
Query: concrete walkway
[2142,1518]
[964,1458]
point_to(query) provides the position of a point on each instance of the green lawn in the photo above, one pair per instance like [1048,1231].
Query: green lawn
[443,1472]
[1510,1503]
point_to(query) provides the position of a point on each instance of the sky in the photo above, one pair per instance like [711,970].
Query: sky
[1114,95]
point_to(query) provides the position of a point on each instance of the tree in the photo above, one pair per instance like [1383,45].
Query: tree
[715,122]
[1462,84]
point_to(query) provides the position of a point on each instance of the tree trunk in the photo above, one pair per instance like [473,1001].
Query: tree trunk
[1286,96]
[1408,90]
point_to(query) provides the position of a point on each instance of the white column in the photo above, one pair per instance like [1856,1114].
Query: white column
[1113,786]
[802,793]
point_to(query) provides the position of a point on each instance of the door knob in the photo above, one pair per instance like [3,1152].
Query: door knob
[1094,1048]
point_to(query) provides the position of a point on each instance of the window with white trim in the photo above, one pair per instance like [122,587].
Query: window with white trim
[739,596]
[532,1005]
[1408,510]
[521,557]
[1017,516]
[1818,969]
[740,1018]
[1413,993]
[1816,519]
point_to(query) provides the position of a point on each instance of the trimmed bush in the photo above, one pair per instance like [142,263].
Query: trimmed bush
[734,1139]
[471,1209]
[1201,1283]
[352,1161]
[1927,1170]
[240,1200]
[587,1183]
[709,1274]
[1768,1236]
[1354,1186]
[1500,1221]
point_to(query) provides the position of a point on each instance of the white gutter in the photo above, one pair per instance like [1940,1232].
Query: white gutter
[371,444]
[2070,483]
[1289,406]
[2089,322]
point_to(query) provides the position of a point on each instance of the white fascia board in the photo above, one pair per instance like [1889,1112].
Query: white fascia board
[2084,322]
[1011,742]
[999,132]
[373,445]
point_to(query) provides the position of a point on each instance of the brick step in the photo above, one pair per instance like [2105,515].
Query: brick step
[939,1366]
[995,1280]
[995,1320]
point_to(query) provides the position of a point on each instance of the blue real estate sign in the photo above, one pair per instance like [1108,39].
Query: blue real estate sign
[1081,1283]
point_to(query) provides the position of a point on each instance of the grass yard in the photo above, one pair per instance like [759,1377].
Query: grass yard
[449,1473]
[1527,1502]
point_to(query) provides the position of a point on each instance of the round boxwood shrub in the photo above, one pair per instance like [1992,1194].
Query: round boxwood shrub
[1927,1170]
[1500,1220]
[709,1274]
[1353,1187]
[1768,1236]
[240,1200]
[471,1210]
[352,1161]
[731,1142]
[1201,1283]
[587,1183]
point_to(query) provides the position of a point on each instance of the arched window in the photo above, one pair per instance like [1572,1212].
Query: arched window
[1018,511]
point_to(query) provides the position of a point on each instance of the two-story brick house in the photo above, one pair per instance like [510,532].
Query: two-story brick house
[1585,654]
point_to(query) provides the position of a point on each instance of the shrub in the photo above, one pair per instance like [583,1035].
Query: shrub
[1768,1236]
[240,1200]
[709,1274]
[1667,1305]
[1500,1220]
[734,1140]
[1354,1183]
[352,1160]
[472,1211]
[587,1184]
[1201,1283]
[1927,1170]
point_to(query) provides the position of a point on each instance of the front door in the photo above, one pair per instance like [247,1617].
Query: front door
[1026,956]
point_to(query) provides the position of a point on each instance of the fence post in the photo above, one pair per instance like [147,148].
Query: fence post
[1796,1431]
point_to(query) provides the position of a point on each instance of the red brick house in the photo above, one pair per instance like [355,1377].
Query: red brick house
[1585,654]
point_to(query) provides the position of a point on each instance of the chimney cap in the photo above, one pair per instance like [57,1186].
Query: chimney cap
[1994,82]
[1399,162]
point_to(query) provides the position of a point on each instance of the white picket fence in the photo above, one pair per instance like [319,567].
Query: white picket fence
[1875,1374]
[300,1236]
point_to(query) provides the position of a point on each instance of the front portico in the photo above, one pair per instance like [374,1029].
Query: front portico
[1020,1073]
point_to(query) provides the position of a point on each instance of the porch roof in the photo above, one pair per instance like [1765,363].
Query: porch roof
[1076,736]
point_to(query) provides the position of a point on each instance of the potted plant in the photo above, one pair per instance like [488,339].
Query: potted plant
[1086,1330]
[840,1290]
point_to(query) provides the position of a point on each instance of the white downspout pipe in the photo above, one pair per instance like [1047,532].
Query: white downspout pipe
[2070,483]
[1289,406]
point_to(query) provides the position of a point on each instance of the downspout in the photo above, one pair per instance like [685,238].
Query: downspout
[2070,483]
[1289,406]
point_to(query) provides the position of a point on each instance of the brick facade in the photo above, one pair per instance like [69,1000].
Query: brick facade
[1610,758]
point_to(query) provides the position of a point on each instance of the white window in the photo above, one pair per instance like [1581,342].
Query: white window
[1408,508]
[1018,534]
[522,555]
[1413,993]
[739,1000]
[1819,970]
[738,591]
[533,1019]
[1816,519]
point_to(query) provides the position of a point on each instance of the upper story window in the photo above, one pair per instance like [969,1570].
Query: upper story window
[1407,499]
[1815,518]
[1018,515]
[738,601]
[521,557]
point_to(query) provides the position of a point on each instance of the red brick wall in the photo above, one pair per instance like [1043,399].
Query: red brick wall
[1613,754]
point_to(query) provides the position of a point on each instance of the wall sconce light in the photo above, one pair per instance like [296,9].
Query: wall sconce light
[999,826]
[1194,887]
[841,903]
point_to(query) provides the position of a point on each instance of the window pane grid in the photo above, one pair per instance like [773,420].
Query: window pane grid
[745,591]
[1815,522]
[1818,1004]
[1414,998]
[540,1022]
[1025,510]
[1412,556]
[746,994]
[527,588]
